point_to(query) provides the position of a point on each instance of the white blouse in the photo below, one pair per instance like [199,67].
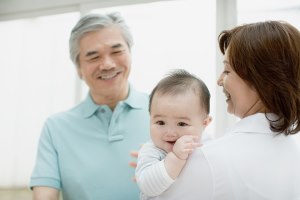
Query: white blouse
[249,163]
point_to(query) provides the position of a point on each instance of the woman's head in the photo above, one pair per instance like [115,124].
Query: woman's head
[266,56]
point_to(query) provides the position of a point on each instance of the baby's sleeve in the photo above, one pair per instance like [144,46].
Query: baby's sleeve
[151,175]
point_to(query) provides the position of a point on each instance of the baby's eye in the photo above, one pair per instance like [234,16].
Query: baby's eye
[182,124]
[160,122]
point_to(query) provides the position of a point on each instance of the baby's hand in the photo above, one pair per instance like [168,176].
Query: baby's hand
[185,145]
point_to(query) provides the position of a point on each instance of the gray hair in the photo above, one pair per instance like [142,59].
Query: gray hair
[94,22]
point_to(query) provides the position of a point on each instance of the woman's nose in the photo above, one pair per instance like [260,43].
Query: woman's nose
[220,80]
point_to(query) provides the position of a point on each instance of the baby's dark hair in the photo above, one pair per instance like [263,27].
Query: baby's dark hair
[180,81]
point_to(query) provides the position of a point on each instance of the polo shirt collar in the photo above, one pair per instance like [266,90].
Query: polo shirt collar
[89,106]
[135,100]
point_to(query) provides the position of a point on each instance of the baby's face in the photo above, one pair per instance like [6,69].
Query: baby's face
[173,116]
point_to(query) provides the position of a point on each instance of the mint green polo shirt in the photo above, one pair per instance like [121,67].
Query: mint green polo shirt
[84,152]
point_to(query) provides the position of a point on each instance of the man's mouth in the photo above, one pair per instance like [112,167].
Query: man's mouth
[108,76]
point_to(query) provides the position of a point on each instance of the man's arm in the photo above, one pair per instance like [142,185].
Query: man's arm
[45,193]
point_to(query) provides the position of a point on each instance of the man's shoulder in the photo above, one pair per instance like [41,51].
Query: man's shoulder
[137,99]
[66,114]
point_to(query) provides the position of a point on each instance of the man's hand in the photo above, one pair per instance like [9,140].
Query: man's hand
[185,145]
[133,164]
[133,154]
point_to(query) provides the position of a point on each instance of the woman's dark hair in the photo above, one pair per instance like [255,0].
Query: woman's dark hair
[266,55]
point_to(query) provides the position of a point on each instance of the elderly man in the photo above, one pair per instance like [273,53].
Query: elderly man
[83,152]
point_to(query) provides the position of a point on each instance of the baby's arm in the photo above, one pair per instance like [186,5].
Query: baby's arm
[151,175]
[155,175]
[176,159]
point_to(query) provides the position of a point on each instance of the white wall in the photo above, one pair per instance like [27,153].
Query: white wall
[14,9]
[226,18]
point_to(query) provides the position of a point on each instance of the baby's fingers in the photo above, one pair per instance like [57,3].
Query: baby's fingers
[192,145]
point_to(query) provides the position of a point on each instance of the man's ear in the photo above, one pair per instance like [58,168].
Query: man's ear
[207,121]
[79,72]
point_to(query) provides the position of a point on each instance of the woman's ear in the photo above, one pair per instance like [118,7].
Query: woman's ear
[207,121]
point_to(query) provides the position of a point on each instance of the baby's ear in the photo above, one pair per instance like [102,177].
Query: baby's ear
[207,121]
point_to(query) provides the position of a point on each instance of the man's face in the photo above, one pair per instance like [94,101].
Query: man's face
[104,64]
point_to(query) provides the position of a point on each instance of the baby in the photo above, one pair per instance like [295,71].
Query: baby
[179,112]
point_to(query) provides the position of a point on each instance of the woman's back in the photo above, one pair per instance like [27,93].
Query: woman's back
[249,162]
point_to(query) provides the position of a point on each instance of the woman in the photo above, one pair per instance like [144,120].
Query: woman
[257,158]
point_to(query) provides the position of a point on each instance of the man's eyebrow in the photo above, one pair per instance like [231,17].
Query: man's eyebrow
[90,53]
[116,46]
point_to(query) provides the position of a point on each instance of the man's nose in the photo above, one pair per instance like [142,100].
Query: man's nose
[107,63]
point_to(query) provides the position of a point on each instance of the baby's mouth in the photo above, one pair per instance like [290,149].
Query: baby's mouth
[171,142]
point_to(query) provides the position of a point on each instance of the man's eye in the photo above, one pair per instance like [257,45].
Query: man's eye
[94,58]
[182,124]
[117,52]
[160,122]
